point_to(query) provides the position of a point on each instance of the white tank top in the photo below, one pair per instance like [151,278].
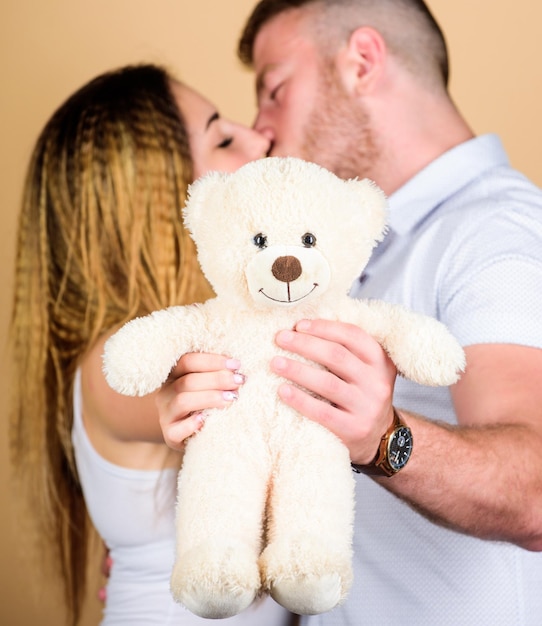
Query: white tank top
[134,513]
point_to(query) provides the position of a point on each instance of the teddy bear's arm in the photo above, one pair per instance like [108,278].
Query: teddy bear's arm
[421,347]
[139,357]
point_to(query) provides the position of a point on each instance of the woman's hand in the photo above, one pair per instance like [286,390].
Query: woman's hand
[105,570]
[198,382]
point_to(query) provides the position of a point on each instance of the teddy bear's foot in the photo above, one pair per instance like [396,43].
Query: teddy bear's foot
[308,595]
[214,582]
[214,604]
[305,577]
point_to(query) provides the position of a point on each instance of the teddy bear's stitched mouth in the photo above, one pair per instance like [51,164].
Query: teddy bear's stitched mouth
[289,301]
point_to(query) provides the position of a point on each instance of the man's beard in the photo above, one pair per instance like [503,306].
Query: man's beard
[338,135]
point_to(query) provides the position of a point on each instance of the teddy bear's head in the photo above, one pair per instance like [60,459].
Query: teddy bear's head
[282,231]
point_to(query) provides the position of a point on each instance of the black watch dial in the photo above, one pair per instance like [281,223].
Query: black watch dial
[400,448]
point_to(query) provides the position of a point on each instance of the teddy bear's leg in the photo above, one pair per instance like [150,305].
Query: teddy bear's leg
[222,491]
[307,563]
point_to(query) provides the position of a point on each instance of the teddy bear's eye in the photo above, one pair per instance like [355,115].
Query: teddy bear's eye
[260,240]
[308,240]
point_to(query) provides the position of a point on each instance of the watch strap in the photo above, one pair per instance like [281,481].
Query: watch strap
[380,466]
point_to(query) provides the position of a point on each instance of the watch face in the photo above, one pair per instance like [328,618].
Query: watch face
[400,448]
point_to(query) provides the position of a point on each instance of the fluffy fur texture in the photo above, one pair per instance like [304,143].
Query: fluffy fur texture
[265,496]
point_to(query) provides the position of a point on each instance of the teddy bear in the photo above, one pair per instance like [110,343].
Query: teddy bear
[266,496]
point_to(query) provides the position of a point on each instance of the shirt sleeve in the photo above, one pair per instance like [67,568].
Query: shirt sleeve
[492,291]
[502,303]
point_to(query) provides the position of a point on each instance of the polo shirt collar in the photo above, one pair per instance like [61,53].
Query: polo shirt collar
[441,179]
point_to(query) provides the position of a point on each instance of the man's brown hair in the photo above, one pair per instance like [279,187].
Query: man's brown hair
[408,27]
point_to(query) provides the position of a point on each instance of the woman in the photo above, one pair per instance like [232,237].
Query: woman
[101,241]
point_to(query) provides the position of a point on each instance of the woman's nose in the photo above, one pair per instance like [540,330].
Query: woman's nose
[260,125]
[262,141]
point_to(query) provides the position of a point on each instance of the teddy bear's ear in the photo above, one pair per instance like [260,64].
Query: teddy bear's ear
[374,203]
[199,193]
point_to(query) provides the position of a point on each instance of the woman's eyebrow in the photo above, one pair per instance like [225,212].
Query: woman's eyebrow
[212,119]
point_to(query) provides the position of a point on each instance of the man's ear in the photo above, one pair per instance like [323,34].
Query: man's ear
[361,62]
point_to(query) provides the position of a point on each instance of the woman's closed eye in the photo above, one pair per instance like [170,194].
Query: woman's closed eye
[225,142]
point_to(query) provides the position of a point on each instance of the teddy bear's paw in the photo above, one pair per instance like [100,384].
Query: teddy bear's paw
[306,576]
[138,358]
[432,357]
[421,347]
[212,604]
[308,595]
[216,584]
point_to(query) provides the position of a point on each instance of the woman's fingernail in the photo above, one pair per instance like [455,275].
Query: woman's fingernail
[199,418]
[233,364]
[239,378]
[229,396]
[101,594]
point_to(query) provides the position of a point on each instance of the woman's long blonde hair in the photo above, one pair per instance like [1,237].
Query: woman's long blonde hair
[100,241]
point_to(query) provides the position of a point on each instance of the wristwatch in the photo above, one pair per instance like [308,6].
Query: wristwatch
[393,452]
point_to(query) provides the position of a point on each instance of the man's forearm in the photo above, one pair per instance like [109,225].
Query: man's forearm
[483,481]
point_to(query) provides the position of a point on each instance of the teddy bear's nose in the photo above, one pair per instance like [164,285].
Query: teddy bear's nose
[286,268]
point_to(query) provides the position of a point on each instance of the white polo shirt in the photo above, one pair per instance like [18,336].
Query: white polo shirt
[464,246]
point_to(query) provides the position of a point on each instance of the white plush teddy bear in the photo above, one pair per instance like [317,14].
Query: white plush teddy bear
[265,496]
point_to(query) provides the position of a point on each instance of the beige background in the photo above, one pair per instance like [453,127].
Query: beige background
[48,49]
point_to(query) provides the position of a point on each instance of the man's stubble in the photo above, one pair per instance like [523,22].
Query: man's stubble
[338,134]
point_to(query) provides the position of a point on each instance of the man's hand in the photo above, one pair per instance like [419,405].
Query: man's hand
[354,391]
[491,486]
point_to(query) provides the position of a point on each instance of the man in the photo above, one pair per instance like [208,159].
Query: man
[360,87]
